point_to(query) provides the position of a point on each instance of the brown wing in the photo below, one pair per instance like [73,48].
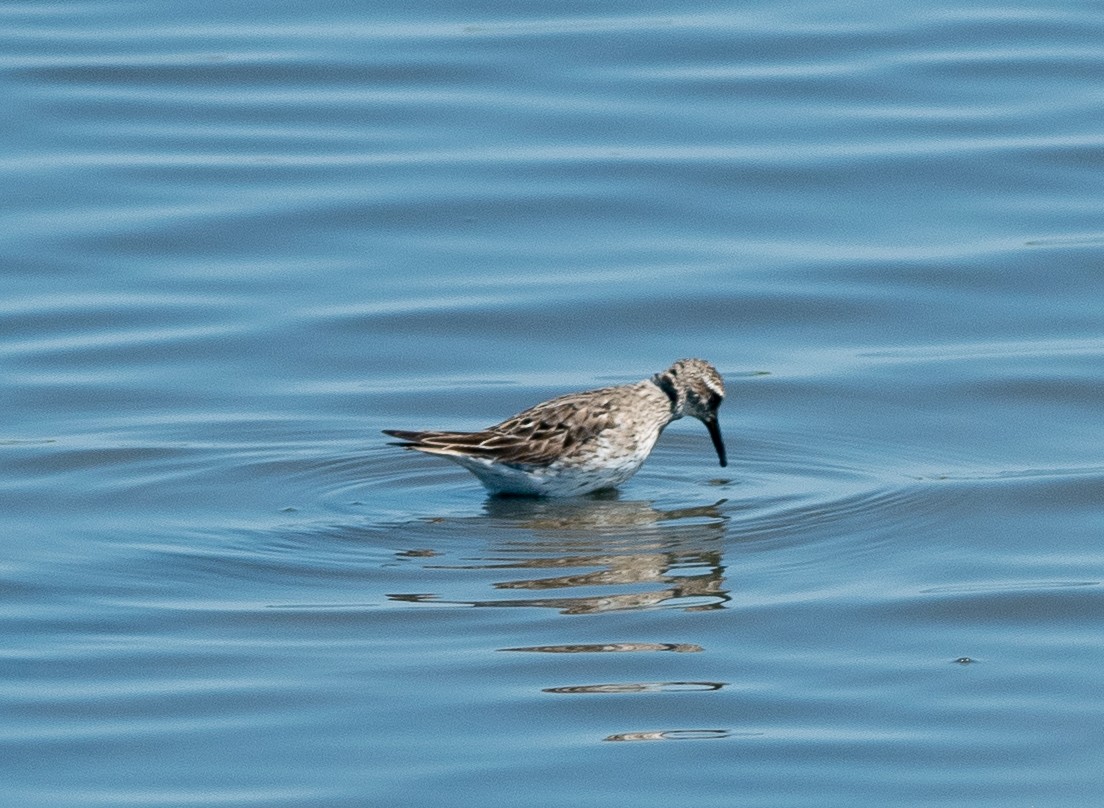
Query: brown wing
[537,436]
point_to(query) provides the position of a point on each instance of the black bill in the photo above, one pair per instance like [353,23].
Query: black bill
[718,442]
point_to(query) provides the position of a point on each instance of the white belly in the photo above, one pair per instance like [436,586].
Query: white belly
[571,477]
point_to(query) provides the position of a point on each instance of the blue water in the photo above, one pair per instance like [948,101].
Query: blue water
[239,239]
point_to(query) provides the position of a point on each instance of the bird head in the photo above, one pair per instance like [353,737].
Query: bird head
[696,389]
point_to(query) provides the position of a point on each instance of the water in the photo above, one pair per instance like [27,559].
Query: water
[240,239]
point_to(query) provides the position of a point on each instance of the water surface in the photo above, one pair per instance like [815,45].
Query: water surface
[239,240]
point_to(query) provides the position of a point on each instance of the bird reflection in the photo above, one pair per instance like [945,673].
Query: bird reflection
[676,735]
[635,554]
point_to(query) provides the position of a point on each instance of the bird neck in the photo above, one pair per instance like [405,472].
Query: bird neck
[667,385]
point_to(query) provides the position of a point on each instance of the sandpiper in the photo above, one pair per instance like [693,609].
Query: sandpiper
[581,442]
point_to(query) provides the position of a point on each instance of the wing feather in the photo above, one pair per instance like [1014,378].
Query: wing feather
[535,437]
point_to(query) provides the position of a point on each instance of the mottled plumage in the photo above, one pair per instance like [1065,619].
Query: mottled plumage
[581,442]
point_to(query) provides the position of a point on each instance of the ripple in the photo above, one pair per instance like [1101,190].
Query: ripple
[605,648]
[636,687]
[1009,587]
[298,552]
[680,735]
[1068,241]
[1031,604]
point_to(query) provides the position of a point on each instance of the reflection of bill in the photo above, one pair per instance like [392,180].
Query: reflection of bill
[602,544]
